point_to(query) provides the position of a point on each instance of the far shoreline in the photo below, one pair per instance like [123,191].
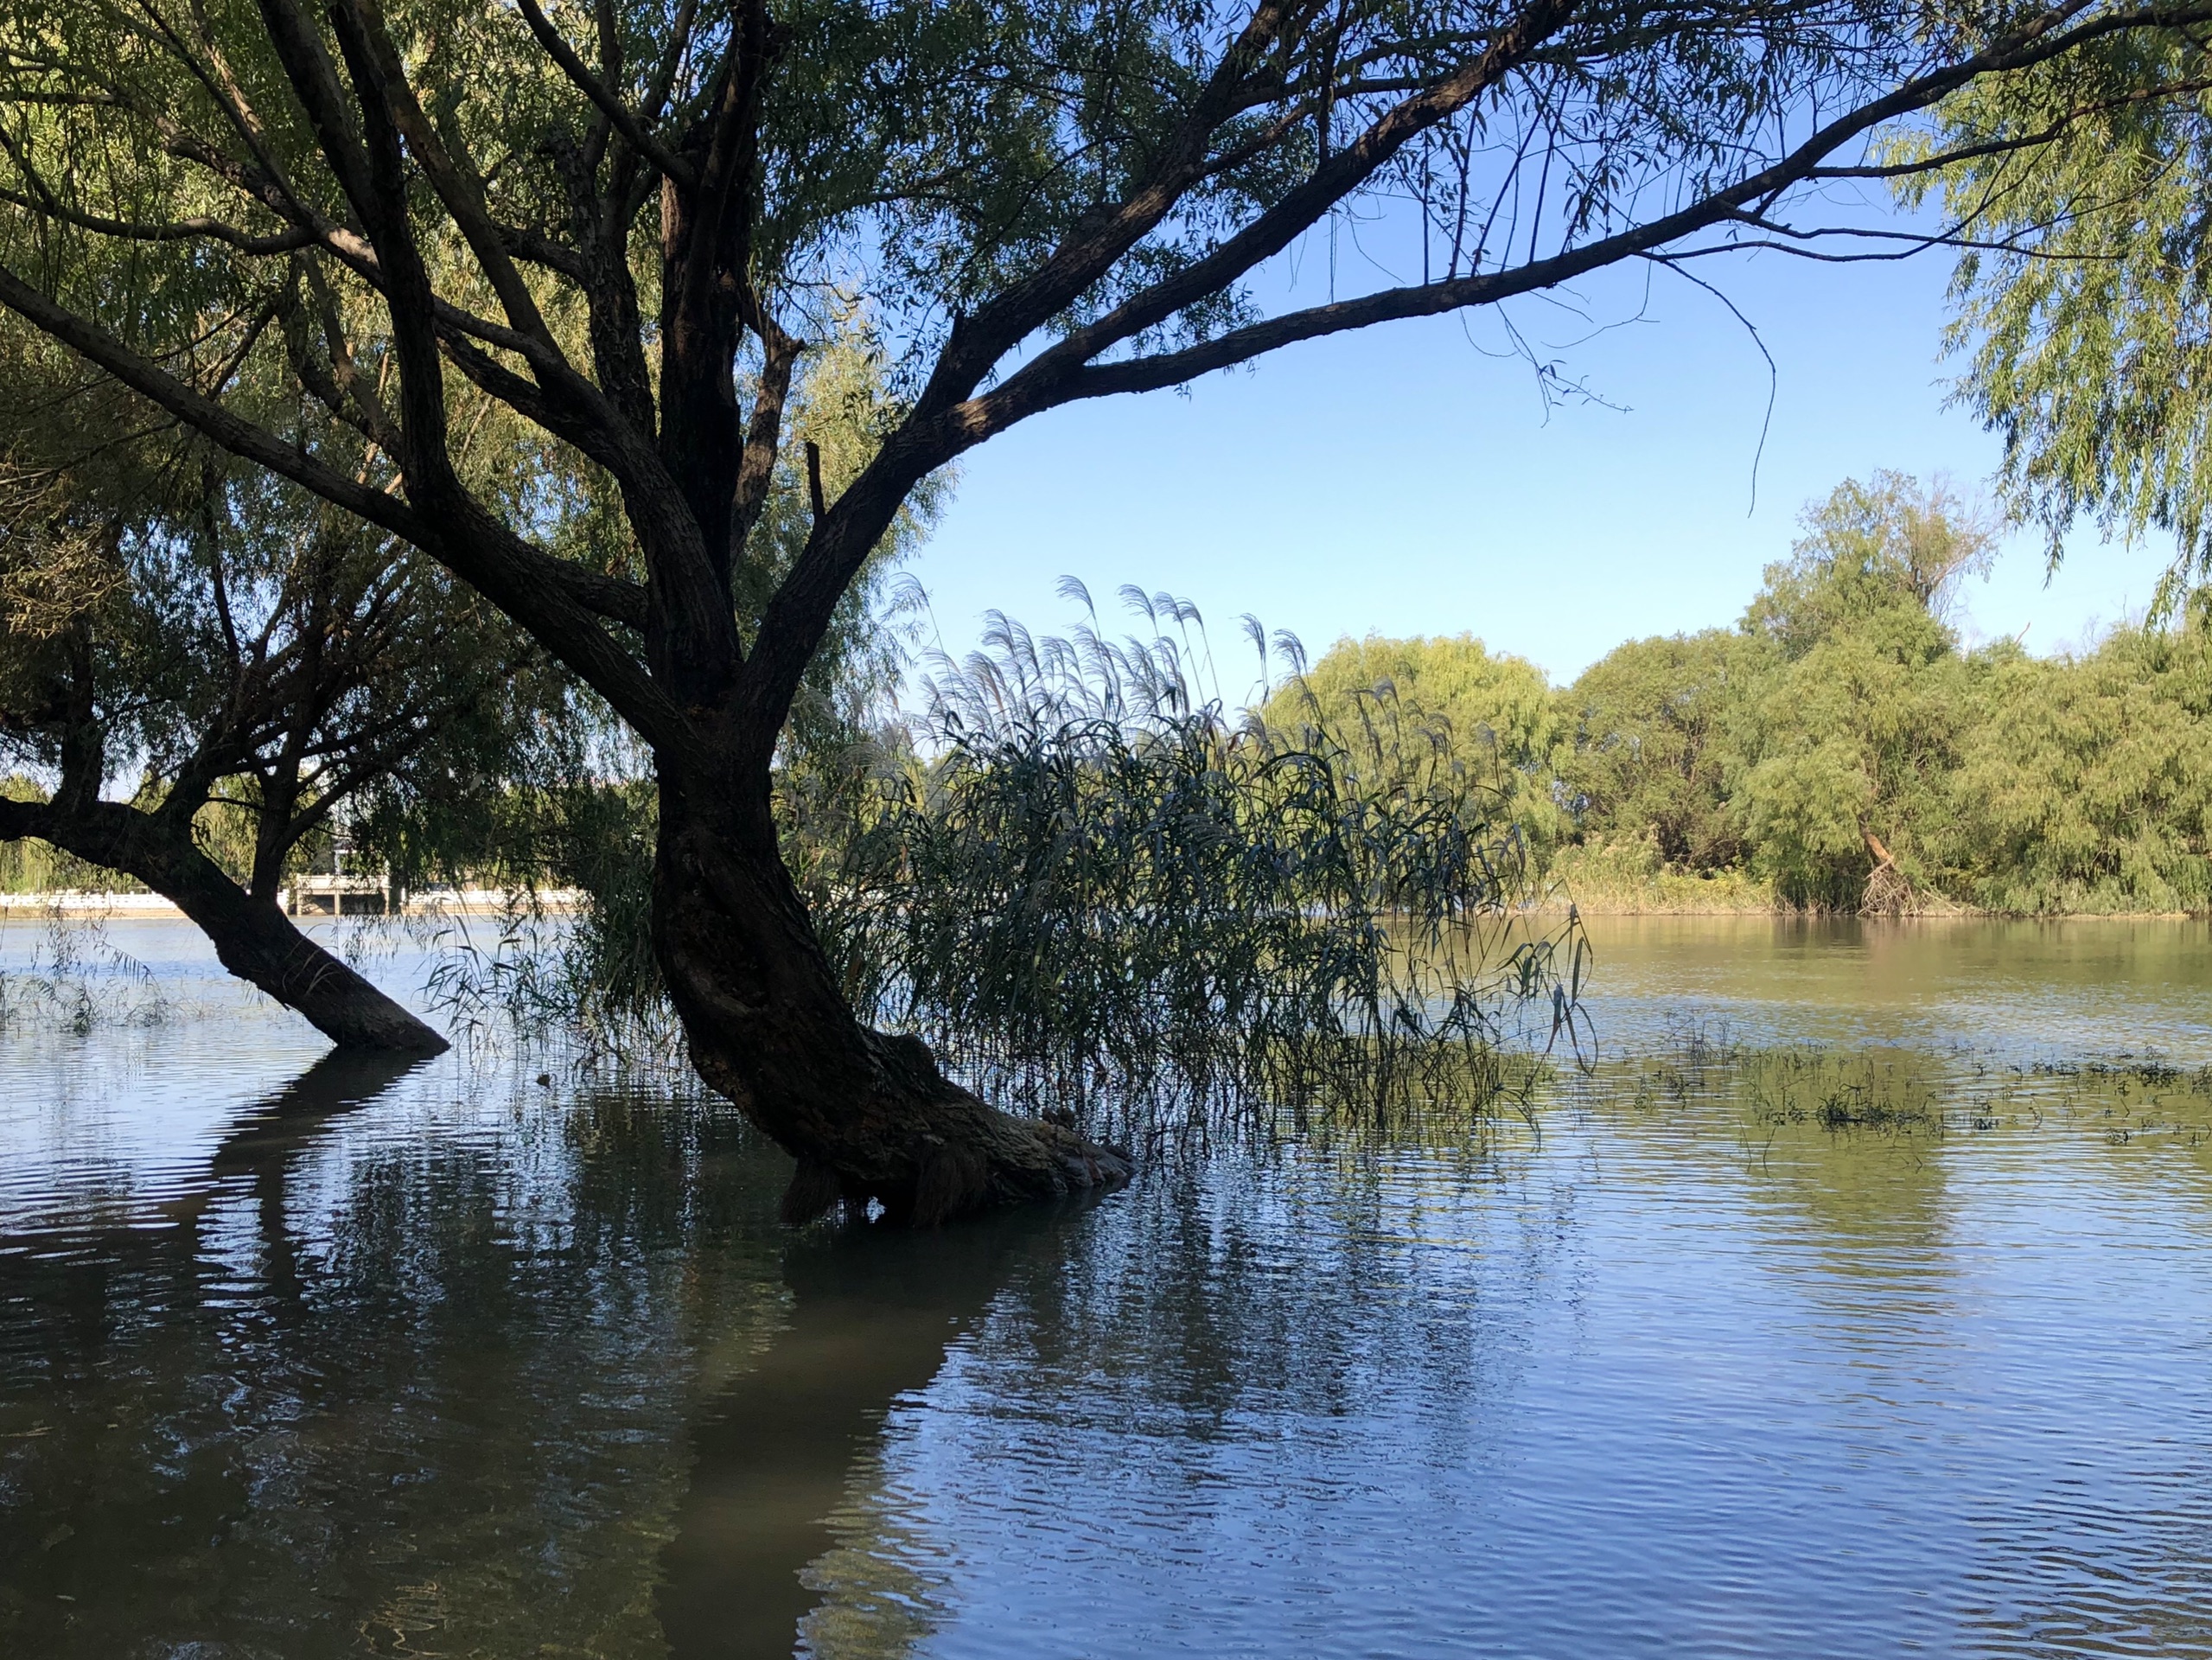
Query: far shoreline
[101,905]
[1615,906]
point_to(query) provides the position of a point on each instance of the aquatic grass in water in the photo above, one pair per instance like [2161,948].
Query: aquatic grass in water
[1907,1092]
[79,978]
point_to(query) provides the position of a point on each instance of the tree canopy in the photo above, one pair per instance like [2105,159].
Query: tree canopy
[2083,310]
[1649,748]
[1493,714]
[408,256]
[251,668]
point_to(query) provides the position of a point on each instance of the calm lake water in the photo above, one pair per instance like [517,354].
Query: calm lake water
[1903,1345]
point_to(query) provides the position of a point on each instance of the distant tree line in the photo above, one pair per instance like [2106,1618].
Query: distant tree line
[1840,748]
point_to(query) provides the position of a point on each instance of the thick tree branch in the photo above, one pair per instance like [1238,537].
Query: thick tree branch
[197,229]
[20,820]
[460,520]
[764,433]
[540,249]
[942,425]
[461,191]
[314,80]
[251,938]
[625,120]
[548,597]
[1030,389]
[1336,177]
[1091,249]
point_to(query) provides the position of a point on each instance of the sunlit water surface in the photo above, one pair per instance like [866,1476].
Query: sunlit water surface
[1904,1345]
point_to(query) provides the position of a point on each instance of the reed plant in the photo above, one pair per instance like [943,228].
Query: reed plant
[1095,892]
[73,976]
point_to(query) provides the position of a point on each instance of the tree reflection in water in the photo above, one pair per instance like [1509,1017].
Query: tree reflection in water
[371,1384]
[444,1362]
[870,1314]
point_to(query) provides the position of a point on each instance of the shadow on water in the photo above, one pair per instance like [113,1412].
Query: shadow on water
[417,1362]
[80,1302]
[871,1314]
[423,1386]
[267,1138]
[260,1144]
[279,1125]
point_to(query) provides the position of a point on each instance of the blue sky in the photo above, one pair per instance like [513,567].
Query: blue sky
[1401,481]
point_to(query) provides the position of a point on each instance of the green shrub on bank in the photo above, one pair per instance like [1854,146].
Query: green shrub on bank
[1630,879]
[2086,784]
[1839,750]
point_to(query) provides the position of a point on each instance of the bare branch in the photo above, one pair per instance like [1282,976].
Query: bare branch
[2038,43]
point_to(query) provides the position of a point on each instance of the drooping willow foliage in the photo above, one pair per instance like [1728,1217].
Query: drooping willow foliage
[1103,889]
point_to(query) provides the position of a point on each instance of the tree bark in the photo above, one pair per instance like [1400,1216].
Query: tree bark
[253,937]
[868,1114]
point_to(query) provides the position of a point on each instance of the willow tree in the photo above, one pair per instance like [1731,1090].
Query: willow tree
[610,218]
[1849,738]
[2083,291]
[1494,715]
[1655,742]
[2085,784]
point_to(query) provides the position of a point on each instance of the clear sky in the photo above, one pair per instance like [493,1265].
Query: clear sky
[1401,481]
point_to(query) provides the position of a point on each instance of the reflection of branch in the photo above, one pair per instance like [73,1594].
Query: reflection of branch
[278,1123]
[274,1127]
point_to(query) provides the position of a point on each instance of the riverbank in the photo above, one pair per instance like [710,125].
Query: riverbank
[1601,881]
[1729,893]
[1689,896]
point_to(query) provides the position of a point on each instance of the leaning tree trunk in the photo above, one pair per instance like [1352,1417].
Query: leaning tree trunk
[253,937]
[867,1114]
[1888,891]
